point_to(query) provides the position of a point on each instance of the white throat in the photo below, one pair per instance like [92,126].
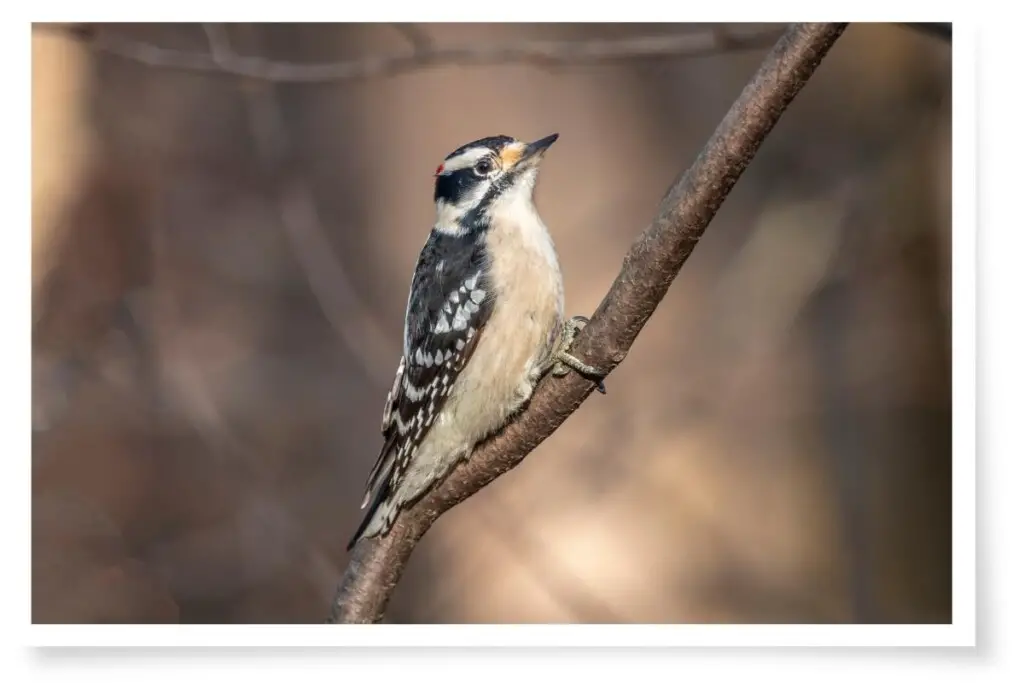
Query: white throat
[514,211]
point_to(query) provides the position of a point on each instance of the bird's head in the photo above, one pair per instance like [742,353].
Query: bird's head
[480,177]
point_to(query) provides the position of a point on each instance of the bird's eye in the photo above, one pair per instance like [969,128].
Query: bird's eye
[483,167]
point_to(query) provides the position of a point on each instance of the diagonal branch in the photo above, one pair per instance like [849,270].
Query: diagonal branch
[648,270]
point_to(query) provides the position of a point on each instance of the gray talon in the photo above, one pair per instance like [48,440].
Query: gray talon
[562,361]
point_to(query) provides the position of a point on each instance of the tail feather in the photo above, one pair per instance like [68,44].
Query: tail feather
[378,499]
[377,488]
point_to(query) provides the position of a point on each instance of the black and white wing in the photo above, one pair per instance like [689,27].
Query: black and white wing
[448,307]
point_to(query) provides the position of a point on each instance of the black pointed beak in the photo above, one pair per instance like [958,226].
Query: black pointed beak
[537,148]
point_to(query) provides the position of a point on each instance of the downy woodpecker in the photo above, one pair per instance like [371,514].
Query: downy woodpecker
[484,321]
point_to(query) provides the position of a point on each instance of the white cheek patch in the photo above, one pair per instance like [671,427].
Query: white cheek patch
[449,215]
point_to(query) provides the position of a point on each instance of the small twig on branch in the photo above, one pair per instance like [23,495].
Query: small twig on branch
[417,37]
[648,270]
[220,45]
[425,54]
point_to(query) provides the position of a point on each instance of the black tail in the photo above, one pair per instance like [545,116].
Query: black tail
[378,498]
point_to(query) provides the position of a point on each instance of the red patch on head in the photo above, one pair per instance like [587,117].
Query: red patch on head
[437,171]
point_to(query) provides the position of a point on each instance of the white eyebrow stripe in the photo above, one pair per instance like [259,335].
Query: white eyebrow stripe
[464,160]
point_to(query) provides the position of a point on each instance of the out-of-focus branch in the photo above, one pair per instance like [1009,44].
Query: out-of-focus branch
[707,41]
[648,270]
[300,220]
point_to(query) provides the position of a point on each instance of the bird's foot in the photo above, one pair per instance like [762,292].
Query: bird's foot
[561,361]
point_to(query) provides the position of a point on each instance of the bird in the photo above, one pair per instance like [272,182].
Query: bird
[484,322]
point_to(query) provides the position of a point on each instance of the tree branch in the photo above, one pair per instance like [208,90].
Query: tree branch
[648,270]
[424,55]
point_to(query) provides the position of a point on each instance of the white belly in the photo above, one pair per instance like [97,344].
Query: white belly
[500,376]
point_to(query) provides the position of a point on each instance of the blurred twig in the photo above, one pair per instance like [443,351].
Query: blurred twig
[297,211]
[648,271]
[417,37]
[711,40]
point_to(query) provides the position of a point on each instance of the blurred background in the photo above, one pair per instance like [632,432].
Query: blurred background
[221,258]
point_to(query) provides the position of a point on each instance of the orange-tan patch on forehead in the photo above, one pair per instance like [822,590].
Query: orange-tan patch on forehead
[512,154]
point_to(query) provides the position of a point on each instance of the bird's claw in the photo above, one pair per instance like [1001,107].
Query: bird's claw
[563,361]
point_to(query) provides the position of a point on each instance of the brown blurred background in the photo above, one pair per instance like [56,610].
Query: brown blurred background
[220,269]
